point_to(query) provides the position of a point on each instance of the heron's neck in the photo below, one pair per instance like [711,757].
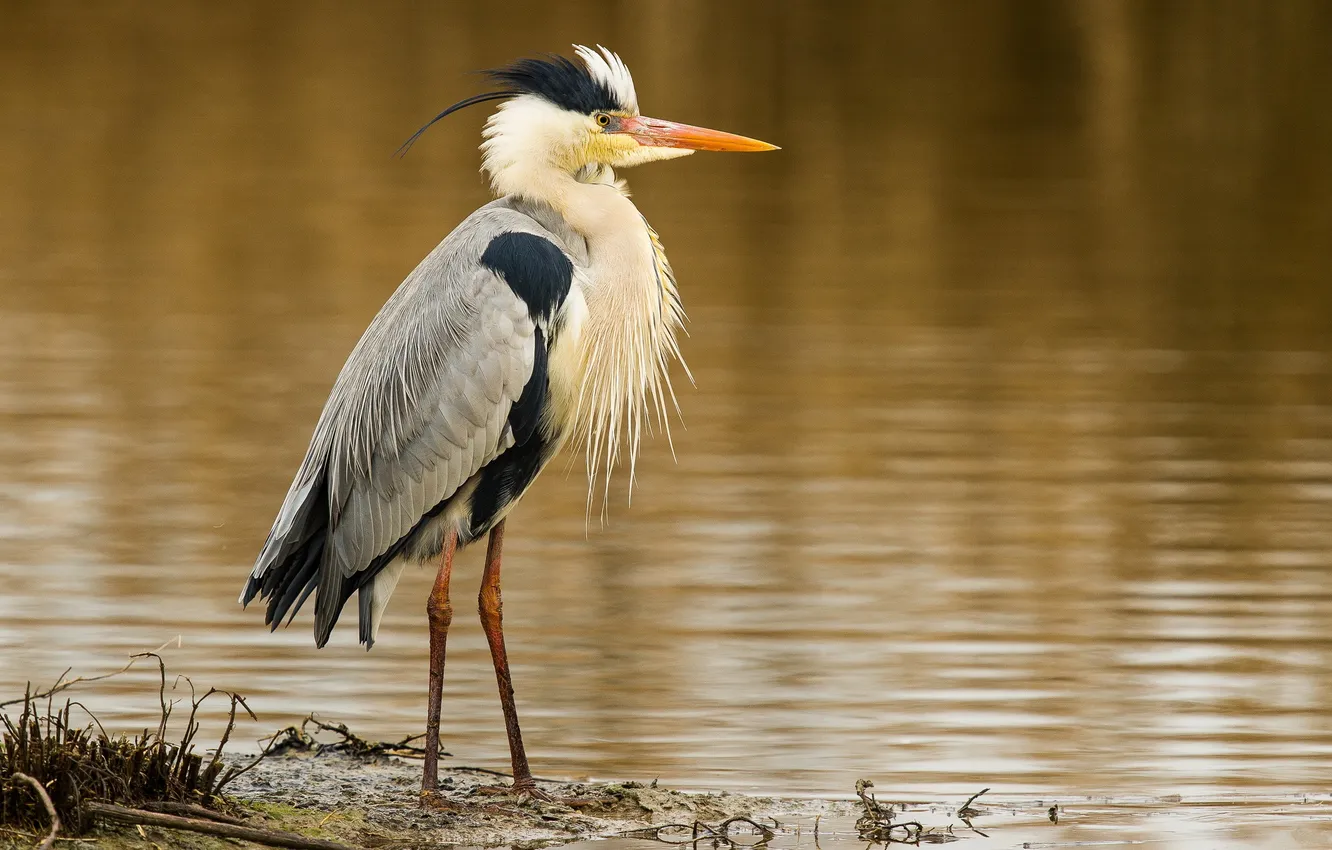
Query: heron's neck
[622,259]
[590,201]
[627,337]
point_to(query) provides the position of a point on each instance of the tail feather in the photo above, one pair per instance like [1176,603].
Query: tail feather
[294,585]
[287,570]
[305,594]
[293,566]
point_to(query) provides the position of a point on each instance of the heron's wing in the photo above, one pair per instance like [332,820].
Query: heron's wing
[428,413]
[423,403]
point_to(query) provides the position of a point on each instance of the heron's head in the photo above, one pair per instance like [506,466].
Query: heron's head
[567,115]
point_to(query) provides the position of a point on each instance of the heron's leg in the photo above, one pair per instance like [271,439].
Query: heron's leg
[492,621]
[440,614]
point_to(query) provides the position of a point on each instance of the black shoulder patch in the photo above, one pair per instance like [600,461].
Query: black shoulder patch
[534,268]
[525,414]
[561,81]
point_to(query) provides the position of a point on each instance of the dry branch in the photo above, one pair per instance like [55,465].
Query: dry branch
[876,824]
[300,739]
[966,811]
[73,765]
[190,810]
[270,837]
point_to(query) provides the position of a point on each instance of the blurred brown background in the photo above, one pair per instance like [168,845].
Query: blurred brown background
[1010,459]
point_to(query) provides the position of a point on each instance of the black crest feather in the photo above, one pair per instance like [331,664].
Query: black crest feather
[561,81]
[462,104]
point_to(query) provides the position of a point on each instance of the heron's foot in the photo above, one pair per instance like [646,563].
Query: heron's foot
[526,789]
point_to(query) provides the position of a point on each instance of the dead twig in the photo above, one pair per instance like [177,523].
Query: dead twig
[655,833]
[358,747]
[874,810]
[700,831]
[877,825]
[270,837]
[299,739]
[725,829]
[878,818]
[912,832]
[287,740]
[49,841]
[210,781]
[966,811]
[62,685]
[233,772]
[502,774]
[74,764]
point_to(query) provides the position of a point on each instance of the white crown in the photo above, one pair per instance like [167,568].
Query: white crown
[609,69]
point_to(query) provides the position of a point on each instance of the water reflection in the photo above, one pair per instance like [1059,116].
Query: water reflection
[1010,456]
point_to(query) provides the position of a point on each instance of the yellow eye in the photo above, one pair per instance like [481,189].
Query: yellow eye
[603,120]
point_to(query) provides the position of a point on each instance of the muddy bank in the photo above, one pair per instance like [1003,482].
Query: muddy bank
[62,782]
[375,801]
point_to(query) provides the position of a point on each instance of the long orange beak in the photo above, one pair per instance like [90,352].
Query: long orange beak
[668,134]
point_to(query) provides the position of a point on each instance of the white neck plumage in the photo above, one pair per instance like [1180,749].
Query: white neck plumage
[627,337]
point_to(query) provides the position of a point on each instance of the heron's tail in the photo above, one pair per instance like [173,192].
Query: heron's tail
[294,563]
[287,570]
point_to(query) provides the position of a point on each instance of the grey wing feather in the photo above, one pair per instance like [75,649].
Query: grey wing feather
[376,499]
[420,406]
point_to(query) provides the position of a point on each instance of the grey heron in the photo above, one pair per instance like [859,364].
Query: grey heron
[548,316]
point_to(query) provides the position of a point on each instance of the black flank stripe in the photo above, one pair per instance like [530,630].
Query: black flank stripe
[508,476]
[525,414]
[504,479]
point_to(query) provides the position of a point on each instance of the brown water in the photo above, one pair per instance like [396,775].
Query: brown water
[1010,458]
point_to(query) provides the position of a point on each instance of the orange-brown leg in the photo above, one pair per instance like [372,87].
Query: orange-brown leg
[492,621]
[440,614]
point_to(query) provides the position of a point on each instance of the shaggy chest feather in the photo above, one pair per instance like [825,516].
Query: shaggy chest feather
[610,363]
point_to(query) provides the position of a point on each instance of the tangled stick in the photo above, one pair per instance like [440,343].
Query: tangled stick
[877,825]
[699,831]
[74,765]
[299,739]
[49,841]
[966,811]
